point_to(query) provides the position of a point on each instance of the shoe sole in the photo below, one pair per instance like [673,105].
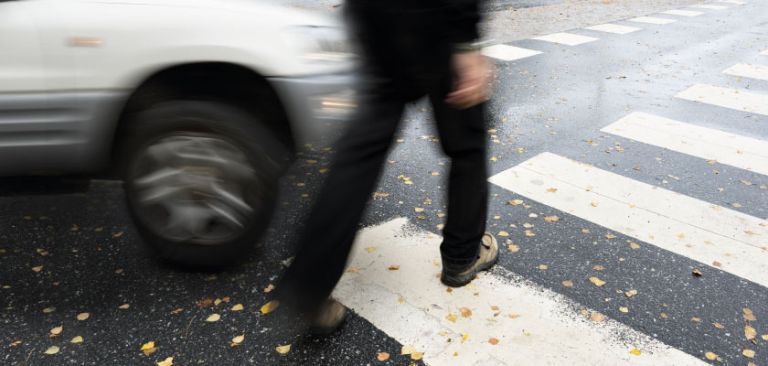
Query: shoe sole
[324,331]
[465,280]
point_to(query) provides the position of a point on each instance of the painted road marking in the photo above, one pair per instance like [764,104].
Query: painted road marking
[735,2]
[652,20]
[683,13]
[726,97]
[711,7]
[706,143]
[759,72]
[567,39]
[508,53]
[680,224]
[411,305]
[764,53]
[613,28]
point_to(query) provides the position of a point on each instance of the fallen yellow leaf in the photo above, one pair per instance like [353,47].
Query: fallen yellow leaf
[551,190]
[238,307]
[237,340]
[635,352]
[269,307]
[213,318]
[596,281]
[37,268]
[513,248]
[493,341]
[624,309]
[56,330]
[451,317]
[382,356]
[551,218]
[465,312]
[83,316]
[749,315]
[748,353]
[515,202]
[52,350]
[417,356]
[167,362]
[610,236]
[76,340]
[749,332]
[597,317]
[543,267]
[464,337]
[393,267]
[269,288]
[529,233]
[503,234]
[124,306]
[283,350]
[764,337]
[568,283]
[148,348]
[634,245]
[407,349]
[718,325]
[711,356]
[630,293]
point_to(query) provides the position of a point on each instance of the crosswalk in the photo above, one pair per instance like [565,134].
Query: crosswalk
[503,319]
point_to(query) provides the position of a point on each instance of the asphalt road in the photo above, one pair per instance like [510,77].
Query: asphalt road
[64,253]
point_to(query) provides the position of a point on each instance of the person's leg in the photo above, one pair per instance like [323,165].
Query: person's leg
[464,139]
[333,222]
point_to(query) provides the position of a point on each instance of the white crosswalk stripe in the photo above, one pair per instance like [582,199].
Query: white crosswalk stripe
[727,148]
[613,28]
[683,13]
[568,39]
[710,7]
[411,306]
[727,97]
[508,53]
[759,72]
[735,2]
[680,224]
[764,53]
[652,20]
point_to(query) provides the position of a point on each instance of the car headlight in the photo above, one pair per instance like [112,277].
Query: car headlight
[321,43]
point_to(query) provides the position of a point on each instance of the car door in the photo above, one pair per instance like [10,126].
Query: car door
[47,123]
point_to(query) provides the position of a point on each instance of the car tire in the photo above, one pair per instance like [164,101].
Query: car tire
[200,180]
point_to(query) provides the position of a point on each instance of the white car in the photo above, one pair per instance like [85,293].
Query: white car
[195,104]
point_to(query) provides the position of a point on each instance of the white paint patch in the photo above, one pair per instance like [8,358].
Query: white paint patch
[759,72]
[735,2]
[711,7]
[652,20]
[613,28]
[683,13]
[568,39]
[680,224]
[764,53]
[706,143]
[508,53]
[411,305]
[727,97]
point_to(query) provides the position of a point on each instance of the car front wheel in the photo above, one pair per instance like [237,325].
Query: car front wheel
[201,180]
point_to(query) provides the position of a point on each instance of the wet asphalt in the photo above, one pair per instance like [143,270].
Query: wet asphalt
[93,261]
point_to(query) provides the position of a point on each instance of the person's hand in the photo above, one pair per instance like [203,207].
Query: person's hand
[472,72]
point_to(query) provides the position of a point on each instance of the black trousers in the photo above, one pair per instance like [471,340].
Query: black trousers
[325,245]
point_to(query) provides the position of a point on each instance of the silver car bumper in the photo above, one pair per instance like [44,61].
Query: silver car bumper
[314,103]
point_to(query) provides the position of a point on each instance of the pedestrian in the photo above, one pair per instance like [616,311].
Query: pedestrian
[409,49]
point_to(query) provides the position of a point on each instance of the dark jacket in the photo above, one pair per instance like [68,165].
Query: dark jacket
[407,44]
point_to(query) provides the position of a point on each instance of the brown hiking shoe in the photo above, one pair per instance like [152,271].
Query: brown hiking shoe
[328,318]
[486,258]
